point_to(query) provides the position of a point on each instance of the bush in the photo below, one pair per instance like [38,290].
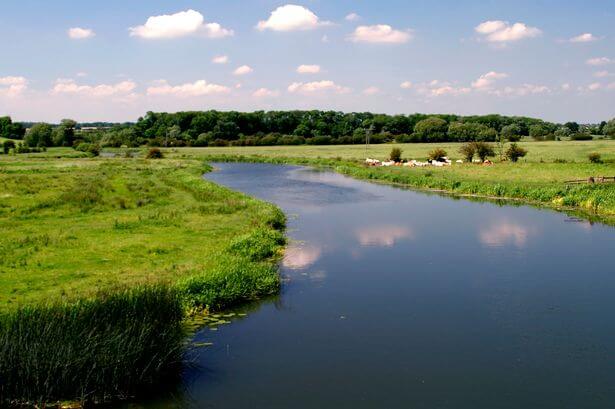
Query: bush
[514,152]
[594,157]
[91,148]
[395,155]
[437,154]
[581,137]
[468,150]
[483,150]
[7,146]
[154,153]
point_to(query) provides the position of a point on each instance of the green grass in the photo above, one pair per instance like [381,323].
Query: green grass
[538,179]
[98,255]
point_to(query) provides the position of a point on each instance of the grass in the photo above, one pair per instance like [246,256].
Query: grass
[101,258]
[538,179]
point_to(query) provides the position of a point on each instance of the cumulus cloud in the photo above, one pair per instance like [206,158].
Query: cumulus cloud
[599,61]
[525,89]
[243,70]
[291,17]
[191,89]
[497,31]
[487,80]
[220,59]
[78,33]
[594,86]
[317,87]
[406,85]
[438,88]
[380,33]
[602,74]
[352,17]
[12,86]
[265,93]
[181,24]
[308,69]
[584,38]
[70,87]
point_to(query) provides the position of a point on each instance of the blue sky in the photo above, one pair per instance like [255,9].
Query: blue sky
[548,59]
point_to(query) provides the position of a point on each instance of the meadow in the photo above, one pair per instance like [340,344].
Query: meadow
[102,260]
[539,178]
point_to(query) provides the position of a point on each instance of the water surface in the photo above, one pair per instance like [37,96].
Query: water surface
[399,299]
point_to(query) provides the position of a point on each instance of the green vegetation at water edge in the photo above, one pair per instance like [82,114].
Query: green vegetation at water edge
[100,261]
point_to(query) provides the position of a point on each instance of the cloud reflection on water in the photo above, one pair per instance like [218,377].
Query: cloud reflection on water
[505,232]
[298,256]
[382,235]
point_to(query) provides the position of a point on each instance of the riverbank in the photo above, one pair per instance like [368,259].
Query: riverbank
[536,181]
[102,261]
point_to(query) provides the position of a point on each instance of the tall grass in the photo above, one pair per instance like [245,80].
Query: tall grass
[93,350]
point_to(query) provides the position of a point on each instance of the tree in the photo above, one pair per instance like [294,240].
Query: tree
[10,129]
[7,146]
[468,150]
[483,150]
[39,135]
[514,152]
[563,132]
[395,155]
[539,132]
[437,154]
[64,134]
[609,129]
[573,126]
[432,129]
[511,132]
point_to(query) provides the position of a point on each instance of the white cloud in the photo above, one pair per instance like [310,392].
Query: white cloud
[265,93]
[181,24]
[352,17]
[594,86]
[194,89]
[406,85]
[220,59]
[599,61]
[70,87]
[12,86]
[371,91]
[584,38]
[380,33]
[438,88]
[566,86]
[498,31]
[317,87]
[602,74]
[525,89]
[308,69]
[243,70]
[291,18]
[324,39]
[485,81]
[78,33]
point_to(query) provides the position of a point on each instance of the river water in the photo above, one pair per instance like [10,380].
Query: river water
[399,299]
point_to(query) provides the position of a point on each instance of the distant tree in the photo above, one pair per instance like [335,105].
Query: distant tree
[10,129]
[601,127]
[514,152]
[64,134]
[432,129]
[483,150]
[7,146]
[563,132]
[395,155]
[573,126]
[39,135]
[512,132]
[539,132]
[468,150]
[609,129]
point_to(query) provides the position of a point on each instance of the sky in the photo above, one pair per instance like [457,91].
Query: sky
[116,60]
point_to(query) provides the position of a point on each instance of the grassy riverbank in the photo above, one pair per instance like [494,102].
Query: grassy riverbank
[538,179]
[101,258]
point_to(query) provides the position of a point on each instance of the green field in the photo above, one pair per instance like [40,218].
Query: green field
[539,178]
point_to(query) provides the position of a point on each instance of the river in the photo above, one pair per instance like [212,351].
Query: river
[399,299]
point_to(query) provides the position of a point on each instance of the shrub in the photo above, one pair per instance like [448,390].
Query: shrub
[483,150]
[594,157]
[7,146]
[581,137]
[514,152]
[154,153]
[91,148]
[468,150]
[395,155]
[437,154]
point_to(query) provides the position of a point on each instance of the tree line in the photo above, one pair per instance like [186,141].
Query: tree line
[216,128]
